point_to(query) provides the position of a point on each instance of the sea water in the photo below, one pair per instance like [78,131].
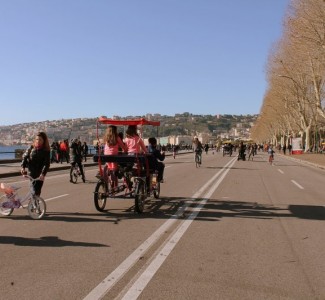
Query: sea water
[8,152]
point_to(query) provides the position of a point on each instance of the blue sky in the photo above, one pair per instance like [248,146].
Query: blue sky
[76,58]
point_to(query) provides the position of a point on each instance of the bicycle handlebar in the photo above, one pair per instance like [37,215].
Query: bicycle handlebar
[31,178]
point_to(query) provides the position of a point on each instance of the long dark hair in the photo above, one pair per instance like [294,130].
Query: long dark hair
[131,131]
[46,144]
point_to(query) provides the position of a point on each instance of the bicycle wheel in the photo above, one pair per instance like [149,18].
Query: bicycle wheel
[156,191]
[100,195]
[5,208]
[197,160]
[36,207]
[139,196]
[74,175]
[129,185]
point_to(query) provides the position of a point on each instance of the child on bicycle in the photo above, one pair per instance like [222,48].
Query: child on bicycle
[271,152]
[112,145]
[158,157]
[37,159]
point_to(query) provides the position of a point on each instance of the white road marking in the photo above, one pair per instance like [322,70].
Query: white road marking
[281,171]
[297,184]
[101,289]
[53,198]
[146,276]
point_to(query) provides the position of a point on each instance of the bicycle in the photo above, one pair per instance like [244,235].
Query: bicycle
[144,187]
[271,158]
[11,200]
[75,173]
[198,159]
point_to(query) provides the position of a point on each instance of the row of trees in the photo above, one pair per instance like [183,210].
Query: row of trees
[293,104]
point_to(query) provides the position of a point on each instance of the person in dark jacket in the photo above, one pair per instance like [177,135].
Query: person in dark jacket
[76,158]
[37,159]
[158,157]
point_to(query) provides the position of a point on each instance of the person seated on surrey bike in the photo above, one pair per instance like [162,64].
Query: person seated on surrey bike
[112,145]
[133,142]
[157,158]
[76,158]
[197,148]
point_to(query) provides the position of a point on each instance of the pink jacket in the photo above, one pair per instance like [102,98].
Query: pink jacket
[135,145]
[113,150]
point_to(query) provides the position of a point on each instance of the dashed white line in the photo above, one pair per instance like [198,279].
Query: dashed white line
[280,171]
[297,184]
[53,198]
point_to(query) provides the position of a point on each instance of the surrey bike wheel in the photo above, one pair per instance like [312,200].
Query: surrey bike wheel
[5,208]
[139,196]
[100,195]
[36,207]
[156,191]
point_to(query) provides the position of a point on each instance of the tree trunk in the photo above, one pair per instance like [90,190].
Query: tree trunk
[307,140]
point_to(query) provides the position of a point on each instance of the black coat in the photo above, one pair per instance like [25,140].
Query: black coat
[37,161]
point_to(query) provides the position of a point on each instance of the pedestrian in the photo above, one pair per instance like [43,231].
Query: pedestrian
[37,159]
[284,148]
[63,151]
[85,150]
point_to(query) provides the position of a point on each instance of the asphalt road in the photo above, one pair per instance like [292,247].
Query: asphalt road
[227,230]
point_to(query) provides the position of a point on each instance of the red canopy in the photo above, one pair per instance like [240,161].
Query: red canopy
[141,121]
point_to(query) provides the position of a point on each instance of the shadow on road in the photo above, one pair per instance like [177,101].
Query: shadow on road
[215,210]
[45,241]
[167,207]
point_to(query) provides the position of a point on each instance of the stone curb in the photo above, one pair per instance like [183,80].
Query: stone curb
[303,161]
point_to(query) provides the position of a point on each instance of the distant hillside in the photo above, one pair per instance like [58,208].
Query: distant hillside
[85,128]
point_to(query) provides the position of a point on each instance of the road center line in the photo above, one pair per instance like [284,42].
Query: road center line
[101,289]
[297,184]
[53,198]
[146,276]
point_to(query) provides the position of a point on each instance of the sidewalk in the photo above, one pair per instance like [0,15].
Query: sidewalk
[11,167]
[313,159]
[8,169]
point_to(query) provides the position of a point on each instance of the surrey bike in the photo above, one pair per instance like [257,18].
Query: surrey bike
[135,178]
[36,205]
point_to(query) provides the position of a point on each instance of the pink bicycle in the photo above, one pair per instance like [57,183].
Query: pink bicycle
[36,205]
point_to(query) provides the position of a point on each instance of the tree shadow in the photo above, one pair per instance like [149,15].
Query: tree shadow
[167,207]
[214,210]
[45,241]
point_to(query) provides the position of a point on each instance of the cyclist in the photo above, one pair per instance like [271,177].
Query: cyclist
[37,159]
[76,158]
[133,141]
[198,148]
[112,144]
[270,151]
